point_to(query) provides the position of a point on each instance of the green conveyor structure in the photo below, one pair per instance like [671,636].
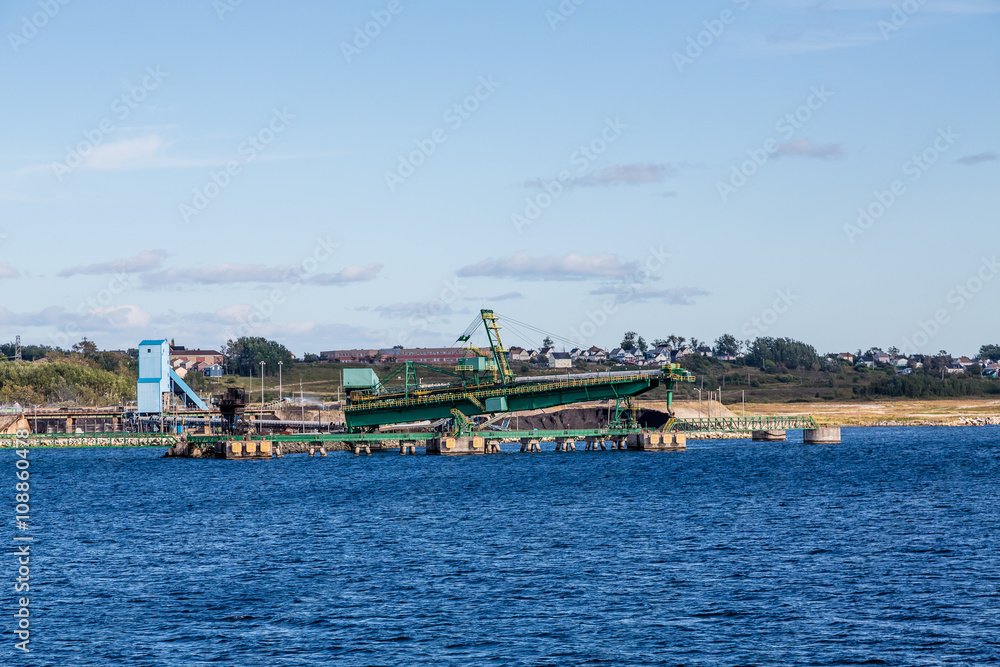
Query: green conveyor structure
[380,405]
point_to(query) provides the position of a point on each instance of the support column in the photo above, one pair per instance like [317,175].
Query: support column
[461,444]
[821,436]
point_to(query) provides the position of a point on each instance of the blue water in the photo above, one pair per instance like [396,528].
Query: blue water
[881,550]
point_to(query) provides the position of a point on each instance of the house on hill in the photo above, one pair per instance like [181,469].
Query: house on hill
[519,354]
[560,360]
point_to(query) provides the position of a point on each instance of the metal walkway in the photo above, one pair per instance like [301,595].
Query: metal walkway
[740,424]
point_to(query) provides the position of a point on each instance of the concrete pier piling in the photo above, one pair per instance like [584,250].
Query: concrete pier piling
[565,445]
[407,447]
[322,451]
[768,436]
[450,445]
[240,449]
[530,445]
[821,436]
[656,441]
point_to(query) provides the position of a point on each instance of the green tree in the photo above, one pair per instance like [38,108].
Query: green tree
[991,352]
[767,352]
[243,355]
[640,344]
[727,344]
[628,342]
[85,347]
[547,342]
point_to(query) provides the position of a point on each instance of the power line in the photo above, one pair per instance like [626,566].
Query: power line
[537,330]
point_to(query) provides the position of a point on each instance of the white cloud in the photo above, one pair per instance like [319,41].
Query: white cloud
[226,274]
[148,260]
[972,160]
[8,271]
[675,296]
[571,266]
[125,154]
[102,319]
[414,310]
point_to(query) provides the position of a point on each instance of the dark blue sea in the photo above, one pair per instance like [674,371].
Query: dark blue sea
[884,550]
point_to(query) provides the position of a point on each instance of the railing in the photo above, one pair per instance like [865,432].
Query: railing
[89,440]
[205,440]
[736,424]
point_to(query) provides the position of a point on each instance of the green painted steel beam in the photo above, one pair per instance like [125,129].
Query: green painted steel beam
[382,437]
[395,412]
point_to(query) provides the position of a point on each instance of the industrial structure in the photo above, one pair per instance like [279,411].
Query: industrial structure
[158,380]
[465,414]
[483,385]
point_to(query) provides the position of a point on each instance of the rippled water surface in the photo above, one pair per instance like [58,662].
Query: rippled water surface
[881,550]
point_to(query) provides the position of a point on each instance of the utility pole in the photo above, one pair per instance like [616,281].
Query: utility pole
[279,380]
[262,388]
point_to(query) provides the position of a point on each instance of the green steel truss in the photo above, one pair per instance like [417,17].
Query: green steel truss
[90,440]
[369,410]
[738,424]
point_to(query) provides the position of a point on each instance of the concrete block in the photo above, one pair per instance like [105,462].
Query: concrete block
[768,436]
[657,441]
[821,436]
[456,445]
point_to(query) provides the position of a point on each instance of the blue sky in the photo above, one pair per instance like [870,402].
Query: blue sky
[199,170]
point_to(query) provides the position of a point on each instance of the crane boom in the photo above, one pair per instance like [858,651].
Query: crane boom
[504,374]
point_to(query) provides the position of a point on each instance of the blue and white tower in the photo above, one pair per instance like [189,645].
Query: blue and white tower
[157,378]
[154,375]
